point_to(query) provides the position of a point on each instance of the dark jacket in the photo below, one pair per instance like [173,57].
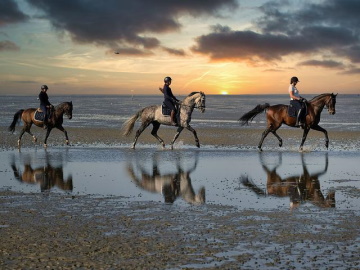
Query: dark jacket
[44,99]
[169,98]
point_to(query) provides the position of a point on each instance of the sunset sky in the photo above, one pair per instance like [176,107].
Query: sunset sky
[216,46]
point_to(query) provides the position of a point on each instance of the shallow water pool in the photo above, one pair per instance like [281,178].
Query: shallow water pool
[245,179]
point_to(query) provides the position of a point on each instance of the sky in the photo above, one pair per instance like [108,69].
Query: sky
[216,46]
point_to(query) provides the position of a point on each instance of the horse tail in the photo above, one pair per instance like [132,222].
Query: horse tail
[16,119]
[249,116]
[128,126]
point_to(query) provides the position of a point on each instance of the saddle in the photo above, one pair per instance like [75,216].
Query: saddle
[293,112]
[39,115]
[165,110]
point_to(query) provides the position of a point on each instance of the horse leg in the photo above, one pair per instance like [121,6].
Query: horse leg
[318,128]
[265,133]
[305,133]
[156,126]
[61,128]
[26,128]
[278,137]
[197,143]
[138,132]
[176,136]
[20,136]
[47,135]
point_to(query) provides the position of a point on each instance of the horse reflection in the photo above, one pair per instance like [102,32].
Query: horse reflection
[46,176]
[171,186]
[302,188]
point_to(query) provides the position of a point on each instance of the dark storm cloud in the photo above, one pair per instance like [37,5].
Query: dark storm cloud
[6,45]
[10,13]
[283,30]
[116,23]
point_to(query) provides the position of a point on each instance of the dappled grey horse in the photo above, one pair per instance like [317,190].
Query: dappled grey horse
[153,115]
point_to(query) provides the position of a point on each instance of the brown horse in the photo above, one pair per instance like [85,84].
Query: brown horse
[55,121]
[277,115]
[153,115]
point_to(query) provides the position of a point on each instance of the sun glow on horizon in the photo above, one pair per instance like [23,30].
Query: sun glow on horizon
[224,93]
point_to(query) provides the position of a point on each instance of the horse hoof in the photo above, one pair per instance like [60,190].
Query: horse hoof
[45,145]
[67,142]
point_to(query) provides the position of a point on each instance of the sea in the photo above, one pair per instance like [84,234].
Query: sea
[221,110]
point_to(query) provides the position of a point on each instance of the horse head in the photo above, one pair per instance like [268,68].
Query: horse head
[330,104]
[198,100]
[67,109]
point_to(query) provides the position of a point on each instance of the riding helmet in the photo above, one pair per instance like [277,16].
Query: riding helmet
[294,79]
[167,79]
[44,87]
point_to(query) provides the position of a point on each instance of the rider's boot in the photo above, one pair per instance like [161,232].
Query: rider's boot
[299,119]
[45,123]
[172,116]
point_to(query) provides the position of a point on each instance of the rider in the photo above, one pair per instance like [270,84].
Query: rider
[45,105]
[169,99]
[297,101]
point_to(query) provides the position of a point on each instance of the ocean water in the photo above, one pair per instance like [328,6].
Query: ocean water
[221,111]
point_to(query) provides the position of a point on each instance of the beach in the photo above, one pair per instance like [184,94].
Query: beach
[110,218]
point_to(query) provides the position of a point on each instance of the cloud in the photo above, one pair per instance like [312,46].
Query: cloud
[352,71]
[284,29]
[325,63]
[178,52]
[10,13]
[7,45]
[124,24]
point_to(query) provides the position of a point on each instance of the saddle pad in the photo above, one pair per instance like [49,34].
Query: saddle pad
[39,116]
[165,110]
[292,111]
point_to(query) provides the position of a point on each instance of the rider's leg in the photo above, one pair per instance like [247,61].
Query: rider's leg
[172,116]
[299,118]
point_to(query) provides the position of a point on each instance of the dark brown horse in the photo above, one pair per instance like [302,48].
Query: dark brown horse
[55,121]
[277,115]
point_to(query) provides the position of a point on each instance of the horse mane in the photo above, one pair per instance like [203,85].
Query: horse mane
[320,96]
[192,93]
[62,104]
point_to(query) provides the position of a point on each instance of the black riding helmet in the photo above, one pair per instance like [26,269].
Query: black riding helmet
[44,87]
[294,79]
[167,79]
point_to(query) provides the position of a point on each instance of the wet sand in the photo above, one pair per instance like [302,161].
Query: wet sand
[246,138]
[70,231]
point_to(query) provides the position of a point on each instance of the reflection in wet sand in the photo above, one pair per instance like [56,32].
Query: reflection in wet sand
[300,188]
[170,185]
[46,176]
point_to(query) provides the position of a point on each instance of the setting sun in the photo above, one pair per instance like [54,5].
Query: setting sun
[224,93]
